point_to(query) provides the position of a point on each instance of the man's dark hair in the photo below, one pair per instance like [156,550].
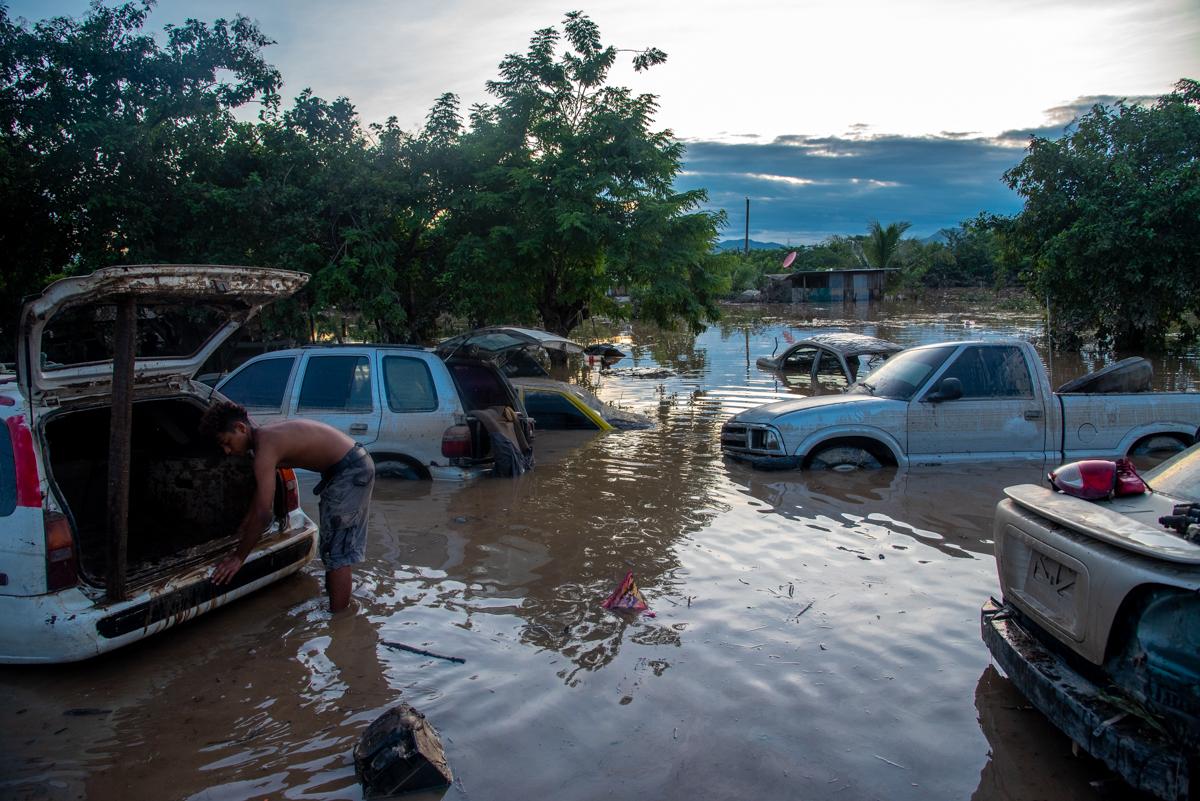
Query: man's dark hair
[220,417]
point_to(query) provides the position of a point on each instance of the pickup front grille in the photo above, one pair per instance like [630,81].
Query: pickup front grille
[743,438]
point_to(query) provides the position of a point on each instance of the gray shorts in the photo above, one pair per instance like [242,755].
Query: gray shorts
[345,491]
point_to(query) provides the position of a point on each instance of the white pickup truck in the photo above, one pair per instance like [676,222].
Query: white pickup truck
[966,401]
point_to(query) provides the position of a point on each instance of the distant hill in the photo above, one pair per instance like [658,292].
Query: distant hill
[740,244]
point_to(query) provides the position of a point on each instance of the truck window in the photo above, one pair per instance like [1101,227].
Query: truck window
[992,372]
[409,385]
[337,384]
[8,473]
[903,374]
[260,385]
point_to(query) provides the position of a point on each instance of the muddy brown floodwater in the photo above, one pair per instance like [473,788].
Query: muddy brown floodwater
[816,635]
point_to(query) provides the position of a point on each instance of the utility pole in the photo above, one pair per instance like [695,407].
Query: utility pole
[747,226]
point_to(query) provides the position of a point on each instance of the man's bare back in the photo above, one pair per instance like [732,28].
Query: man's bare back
[302,444]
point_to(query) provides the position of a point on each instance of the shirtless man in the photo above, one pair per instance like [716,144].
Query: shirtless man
[347,477]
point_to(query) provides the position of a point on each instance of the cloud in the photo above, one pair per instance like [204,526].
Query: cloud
[799,194]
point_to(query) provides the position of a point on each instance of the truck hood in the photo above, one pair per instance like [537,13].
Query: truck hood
[769,412]
[184,313]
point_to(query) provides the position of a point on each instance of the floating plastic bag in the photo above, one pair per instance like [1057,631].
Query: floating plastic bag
[627,597]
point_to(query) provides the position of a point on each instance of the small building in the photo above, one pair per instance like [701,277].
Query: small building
[826,286]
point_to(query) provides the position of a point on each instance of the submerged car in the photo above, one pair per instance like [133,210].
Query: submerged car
[1099,625]
[829,361]
[71,586]
[411,409]
[524,356]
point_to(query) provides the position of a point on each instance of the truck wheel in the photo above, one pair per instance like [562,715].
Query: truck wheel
[844,458]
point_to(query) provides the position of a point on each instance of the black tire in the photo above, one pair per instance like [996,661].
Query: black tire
[844,458]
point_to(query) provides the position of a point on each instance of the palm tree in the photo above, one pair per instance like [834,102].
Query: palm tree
[881,243]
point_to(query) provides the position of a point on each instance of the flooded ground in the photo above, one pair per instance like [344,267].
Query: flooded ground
[815,635]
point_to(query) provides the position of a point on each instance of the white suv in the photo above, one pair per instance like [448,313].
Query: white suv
[70,589]
[409,408]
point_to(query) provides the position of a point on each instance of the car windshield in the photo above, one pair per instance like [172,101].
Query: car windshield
[1178,476]
[903,374]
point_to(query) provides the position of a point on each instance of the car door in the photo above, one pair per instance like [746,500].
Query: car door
[999,414]
[339,388]
[418,408]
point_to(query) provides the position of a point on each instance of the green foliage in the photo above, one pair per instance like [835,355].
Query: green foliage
[100,128]
[1111,224]
[571,195]
[881,243]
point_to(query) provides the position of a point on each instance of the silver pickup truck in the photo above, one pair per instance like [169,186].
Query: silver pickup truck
[966,401]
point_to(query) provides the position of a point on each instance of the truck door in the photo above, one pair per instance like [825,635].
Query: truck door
[999,414]
[339,389]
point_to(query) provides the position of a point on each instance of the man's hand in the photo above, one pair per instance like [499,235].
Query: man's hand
[227,569]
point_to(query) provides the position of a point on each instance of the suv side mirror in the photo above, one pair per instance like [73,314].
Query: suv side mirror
[948,389]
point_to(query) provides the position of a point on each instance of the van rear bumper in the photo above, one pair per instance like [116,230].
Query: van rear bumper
[69,626]
[1084,712]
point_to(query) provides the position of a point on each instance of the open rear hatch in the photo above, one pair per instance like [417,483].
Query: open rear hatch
[185,498]
[184,313]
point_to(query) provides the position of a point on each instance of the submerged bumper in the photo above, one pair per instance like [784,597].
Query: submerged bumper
[762,462]
[69,626]
[1084,712]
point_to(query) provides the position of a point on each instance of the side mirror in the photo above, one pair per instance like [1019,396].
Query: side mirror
[948,389]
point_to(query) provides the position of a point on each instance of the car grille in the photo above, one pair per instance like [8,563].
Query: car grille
[742,438]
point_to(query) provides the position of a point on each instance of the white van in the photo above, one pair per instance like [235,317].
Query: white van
[59,571]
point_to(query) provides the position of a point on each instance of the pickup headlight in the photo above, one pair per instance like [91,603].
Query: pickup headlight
[771,441]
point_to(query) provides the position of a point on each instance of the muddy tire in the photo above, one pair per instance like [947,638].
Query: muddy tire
[844,458]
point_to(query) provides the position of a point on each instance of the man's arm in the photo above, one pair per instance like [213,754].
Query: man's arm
[257,518]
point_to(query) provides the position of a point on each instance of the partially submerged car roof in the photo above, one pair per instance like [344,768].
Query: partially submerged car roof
[496,339]
[851,344]
[185,311]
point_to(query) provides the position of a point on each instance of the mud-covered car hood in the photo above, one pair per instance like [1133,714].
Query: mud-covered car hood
[769,412]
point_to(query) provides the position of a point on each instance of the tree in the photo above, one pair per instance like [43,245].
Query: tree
[1111,223]
[101,127]
[569,195]
[881,243]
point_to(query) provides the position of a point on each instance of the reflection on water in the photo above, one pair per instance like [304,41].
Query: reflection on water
[816,634]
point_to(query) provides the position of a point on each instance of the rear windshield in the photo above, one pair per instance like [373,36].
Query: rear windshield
[86,333]
[8,473]
[479,386]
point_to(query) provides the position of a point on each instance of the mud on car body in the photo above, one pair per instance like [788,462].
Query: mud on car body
[186,499]
[411,409]
[1099,625]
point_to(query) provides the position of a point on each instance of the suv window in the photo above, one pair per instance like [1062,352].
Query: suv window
[409,385]
[8,473]
[260,385]
[992,372]
[336,383]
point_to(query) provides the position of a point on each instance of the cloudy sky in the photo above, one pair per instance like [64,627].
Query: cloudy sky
[825,113]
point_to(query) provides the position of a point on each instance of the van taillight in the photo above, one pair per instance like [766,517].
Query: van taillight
[29,484]
[456,442]
[291,489]
[61,568]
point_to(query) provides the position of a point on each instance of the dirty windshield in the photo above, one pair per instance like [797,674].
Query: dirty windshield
[86,333]
[904,373]
[1179,476]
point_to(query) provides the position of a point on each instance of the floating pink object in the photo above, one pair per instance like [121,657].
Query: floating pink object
[627,597]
